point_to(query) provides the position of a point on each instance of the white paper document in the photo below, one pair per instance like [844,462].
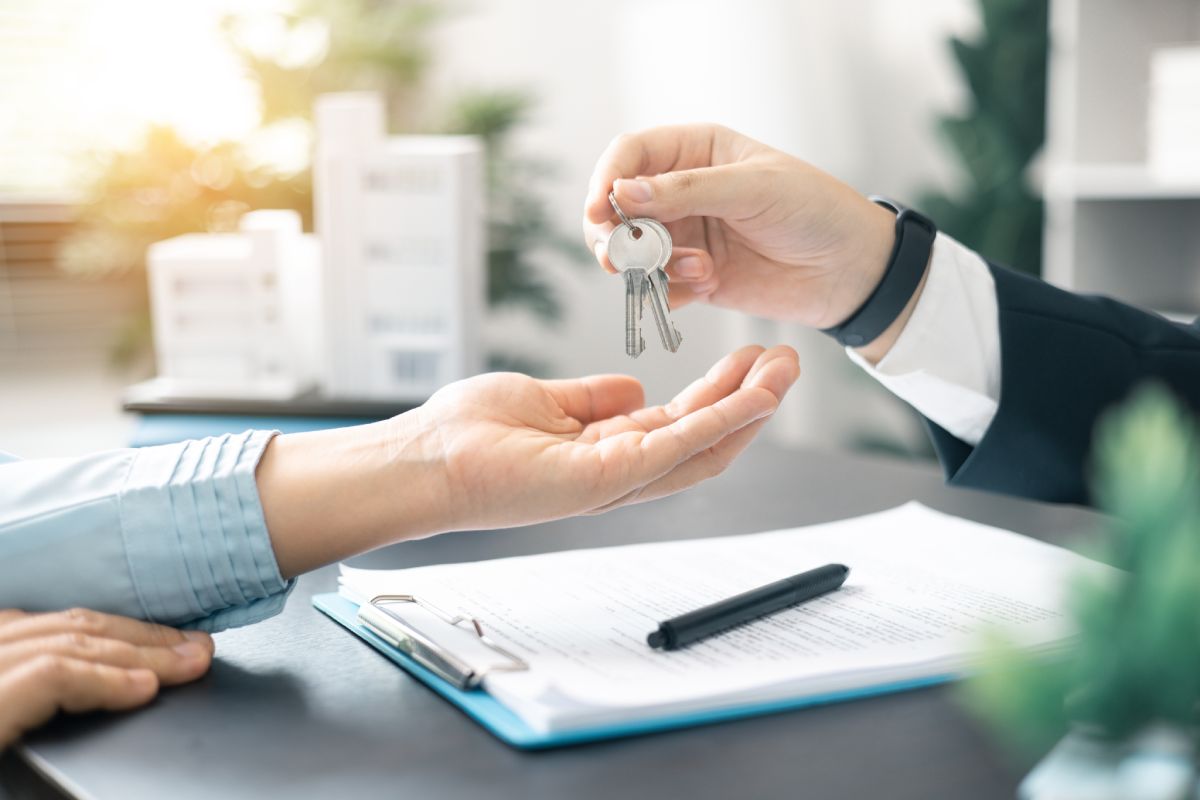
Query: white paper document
[923,586]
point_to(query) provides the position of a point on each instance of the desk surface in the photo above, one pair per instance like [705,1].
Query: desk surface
[295,707]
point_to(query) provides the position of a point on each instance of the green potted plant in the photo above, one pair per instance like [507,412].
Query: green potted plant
[1126,699]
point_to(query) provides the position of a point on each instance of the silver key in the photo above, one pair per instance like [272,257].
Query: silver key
[657,282]
[640,249]
[634,251]
[635,287]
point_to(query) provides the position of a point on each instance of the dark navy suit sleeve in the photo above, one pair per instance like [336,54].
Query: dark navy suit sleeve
[1064,358]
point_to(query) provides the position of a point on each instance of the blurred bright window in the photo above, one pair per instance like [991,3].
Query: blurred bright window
[77,75]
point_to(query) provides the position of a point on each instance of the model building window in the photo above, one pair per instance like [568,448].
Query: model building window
[414,367]
[405,179]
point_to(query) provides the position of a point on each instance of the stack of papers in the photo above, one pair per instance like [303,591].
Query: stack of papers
[923,586]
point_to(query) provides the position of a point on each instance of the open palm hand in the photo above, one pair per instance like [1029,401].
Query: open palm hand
[518,450]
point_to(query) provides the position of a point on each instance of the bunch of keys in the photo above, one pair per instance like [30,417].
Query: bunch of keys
[640,249]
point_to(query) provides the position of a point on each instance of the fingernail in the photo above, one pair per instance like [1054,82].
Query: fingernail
[637,191]
[190,650]
[690,267]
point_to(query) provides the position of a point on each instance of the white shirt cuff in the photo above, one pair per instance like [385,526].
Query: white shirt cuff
[946,361]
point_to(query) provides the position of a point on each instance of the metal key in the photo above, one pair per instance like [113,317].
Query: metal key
[656,293]
[635,251]
[635,292]
[640,249]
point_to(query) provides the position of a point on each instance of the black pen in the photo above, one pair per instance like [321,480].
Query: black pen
[687,628]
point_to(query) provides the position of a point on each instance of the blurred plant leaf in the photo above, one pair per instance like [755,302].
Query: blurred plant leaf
[994,211]
[1137,660]
[519,224]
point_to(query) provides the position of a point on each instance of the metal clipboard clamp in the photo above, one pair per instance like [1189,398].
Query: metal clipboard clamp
[457,669]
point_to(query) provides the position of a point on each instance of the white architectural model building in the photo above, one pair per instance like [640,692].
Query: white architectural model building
[401,222]
[237,314]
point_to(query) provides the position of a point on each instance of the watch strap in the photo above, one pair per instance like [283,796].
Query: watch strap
[905,268]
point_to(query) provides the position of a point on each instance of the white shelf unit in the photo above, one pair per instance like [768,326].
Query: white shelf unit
[1114,226]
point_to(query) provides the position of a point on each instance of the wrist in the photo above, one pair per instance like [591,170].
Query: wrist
[329,495]
[876,351]
[889,303]
[864,268]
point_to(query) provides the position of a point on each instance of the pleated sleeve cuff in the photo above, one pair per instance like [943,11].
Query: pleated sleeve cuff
[195,536]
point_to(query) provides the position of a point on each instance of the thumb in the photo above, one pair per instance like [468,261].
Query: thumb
[727,192]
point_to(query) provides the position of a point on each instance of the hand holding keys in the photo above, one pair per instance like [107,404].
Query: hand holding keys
[640,249]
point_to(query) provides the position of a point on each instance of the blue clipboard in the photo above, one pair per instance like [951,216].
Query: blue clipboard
[509,728]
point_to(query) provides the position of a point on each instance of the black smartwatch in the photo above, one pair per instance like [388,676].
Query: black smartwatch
[905,268]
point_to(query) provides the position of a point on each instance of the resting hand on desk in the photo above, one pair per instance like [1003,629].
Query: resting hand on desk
[83,661]
[501,450]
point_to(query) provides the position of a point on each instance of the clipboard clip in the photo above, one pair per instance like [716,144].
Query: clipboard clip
[455,669]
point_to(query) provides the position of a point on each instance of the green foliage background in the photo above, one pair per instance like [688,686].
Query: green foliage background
[166,186]
[995,212]
[1138,657]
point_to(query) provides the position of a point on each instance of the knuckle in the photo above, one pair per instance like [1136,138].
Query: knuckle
[75,641]
[48,669]
[622,141]
[682,181]
[84,620]
[714,463]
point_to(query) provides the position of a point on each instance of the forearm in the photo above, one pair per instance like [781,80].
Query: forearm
[329,495]
[1023,424]
[1067,358]
[172,534]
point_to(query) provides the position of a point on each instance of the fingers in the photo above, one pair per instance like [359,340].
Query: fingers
[665,448]
[744,368]
[97,624]
[648,152]
[721,379]
[597,240]
[37,689]
[693,276]
[171,665]
[728,192]
[690,264]
[774,370]
[597,397]
[680,295]
[704,465]
[691,270]
[80,660]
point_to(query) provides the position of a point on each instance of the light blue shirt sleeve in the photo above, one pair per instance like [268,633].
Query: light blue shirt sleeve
[174,534]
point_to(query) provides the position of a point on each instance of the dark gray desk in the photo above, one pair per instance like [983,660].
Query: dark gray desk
[297,708]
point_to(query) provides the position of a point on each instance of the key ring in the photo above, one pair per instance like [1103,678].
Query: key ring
[612,199]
